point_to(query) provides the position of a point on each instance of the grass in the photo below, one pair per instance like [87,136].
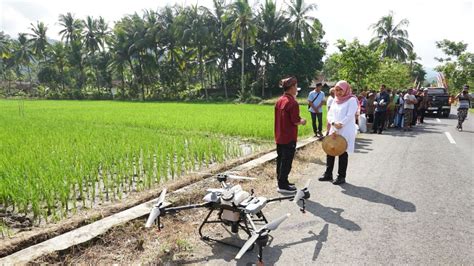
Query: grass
[57,156]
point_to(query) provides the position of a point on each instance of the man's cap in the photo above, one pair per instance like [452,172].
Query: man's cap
[465,87]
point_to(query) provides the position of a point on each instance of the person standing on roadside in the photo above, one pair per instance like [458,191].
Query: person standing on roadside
[287,120]
[342,119]
[464,102]
[328,106]
[409,107]
[316,99]
[381,102]
[370,109]
[422,106]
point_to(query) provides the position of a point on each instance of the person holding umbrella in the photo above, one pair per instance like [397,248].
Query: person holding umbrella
[341,116]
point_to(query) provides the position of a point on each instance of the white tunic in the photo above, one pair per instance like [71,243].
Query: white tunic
[345,113]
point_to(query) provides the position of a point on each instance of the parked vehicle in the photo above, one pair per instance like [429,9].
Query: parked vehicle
[439,101]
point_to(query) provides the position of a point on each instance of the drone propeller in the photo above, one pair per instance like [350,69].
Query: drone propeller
[216,190]
[155,211]
[237,177]
[300,194]
[265,229]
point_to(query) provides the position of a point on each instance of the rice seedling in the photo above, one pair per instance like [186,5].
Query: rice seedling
[59,156]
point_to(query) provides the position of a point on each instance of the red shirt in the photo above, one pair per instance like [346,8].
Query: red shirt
[287,115]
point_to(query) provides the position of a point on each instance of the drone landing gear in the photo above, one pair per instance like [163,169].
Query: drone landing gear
[262,241]
[234,227]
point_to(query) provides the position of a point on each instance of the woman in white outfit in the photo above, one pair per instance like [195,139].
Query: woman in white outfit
[341,116]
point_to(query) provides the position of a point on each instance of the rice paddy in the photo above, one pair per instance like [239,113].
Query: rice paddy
[58,156]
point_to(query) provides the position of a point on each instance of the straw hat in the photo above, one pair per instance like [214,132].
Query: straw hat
[334,145]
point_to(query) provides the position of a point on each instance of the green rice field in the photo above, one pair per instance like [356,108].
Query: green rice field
[58,156]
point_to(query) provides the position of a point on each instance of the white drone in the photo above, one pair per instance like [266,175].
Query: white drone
[236,208]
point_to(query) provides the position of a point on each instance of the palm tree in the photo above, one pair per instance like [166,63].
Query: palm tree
[119,53]
[39,39]
[92,43]
[23,54]
[244,30]
[102,32]
[4,45]
[5,58]
[197,33]
[72,27]
[90,35]
[412,57]
[273,27]
[301,21]
[58,58]
[393,38]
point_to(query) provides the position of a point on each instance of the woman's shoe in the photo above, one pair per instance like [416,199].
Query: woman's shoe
[325,178]
[339,181]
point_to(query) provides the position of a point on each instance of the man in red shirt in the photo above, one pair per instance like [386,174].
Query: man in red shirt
[287,119]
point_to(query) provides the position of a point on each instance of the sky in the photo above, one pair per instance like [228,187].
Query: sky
[430,21]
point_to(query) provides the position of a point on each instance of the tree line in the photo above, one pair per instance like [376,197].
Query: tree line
[224,52]
[174,52]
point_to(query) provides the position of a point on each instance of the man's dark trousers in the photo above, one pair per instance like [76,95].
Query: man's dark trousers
[286,153]
[379,121]
[318,128]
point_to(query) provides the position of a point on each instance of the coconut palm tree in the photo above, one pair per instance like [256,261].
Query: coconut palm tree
[220,23]
[38,39]
[244,30]
[196,34]
[301,21]
[102,32]
[72,27]
[4,45]
[23,54]
[273,27]
[91,40]
[58,59]
[392,38]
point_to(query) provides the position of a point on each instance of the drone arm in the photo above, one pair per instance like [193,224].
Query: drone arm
[176,209]
[281,198]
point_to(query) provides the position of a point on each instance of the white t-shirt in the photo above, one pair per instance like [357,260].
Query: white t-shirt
[409,105]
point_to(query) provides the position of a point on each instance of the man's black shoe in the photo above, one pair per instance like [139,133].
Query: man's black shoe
[287,189]
[339,181]
[325,178]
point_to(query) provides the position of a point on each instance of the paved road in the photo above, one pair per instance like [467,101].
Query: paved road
[409,200]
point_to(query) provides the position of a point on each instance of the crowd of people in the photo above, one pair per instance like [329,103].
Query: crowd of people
[389,108]
[384,109]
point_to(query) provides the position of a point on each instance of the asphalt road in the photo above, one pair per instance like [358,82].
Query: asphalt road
[409,200]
